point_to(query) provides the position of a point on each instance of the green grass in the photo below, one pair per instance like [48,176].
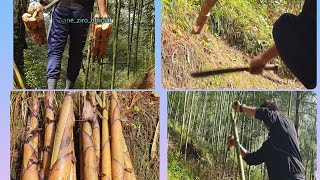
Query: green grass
[177,169]
[243,24]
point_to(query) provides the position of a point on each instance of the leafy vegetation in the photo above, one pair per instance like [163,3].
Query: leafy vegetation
[235,32]
[199,124]
[139,48]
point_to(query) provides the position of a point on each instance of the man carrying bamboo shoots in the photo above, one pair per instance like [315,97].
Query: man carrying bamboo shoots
[280,152]
[69,18]
[295,42]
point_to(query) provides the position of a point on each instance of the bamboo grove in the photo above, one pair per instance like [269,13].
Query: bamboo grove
[84,135]
[131,46]
[199,124]
[124,58]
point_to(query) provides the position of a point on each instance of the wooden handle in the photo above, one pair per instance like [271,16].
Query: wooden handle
[51,4]
[271,67]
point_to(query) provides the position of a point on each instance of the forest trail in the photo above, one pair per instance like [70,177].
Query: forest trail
[184,53]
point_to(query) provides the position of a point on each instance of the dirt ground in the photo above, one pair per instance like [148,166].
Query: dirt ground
[184,53]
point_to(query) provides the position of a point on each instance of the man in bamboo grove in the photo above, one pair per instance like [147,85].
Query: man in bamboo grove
[280,152]
[295,42]
[65,19]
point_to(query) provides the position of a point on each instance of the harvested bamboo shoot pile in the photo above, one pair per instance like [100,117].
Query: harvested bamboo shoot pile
[101,34]
[34,23]
[77,135]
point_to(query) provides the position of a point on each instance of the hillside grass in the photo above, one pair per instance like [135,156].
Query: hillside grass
[233,35]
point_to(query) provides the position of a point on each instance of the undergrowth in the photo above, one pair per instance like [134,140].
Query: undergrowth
[202,160]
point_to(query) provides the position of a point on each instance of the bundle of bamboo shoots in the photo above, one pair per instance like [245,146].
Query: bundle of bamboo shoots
[34,23]
[105,158]
[101,33]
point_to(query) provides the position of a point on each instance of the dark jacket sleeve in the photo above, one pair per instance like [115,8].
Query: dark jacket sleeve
[268,117]
[257,157]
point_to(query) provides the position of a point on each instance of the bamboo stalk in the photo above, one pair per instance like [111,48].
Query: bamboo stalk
[17,76]
[131,37]
[128,43]
[50,127]
[100,76]
[105,143]
[115,45]
[62,154]
[88,63]
[237,145]
[137,37]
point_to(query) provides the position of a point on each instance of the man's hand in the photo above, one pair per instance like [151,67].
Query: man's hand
[259,62]
[102,4]
[230,141]
[236,106]
[257,65]
[104,15]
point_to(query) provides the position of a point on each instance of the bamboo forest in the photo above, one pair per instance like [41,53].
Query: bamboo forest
[127,57]
[84,135]
[199,124]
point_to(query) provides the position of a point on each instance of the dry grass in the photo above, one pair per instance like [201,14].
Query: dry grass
[147,82]
[183,53]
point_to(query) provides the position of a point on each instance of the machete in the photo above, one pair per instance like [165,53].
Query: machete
[231,70]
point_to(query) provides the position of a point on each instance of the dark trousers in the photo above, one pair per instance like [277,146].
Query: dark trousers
[60,29]
[295,38]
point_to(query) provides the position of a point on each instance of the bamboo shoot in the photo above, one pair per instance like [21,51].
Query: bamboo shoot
[105,144]
[62,154]
[50,128]
[117,137]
